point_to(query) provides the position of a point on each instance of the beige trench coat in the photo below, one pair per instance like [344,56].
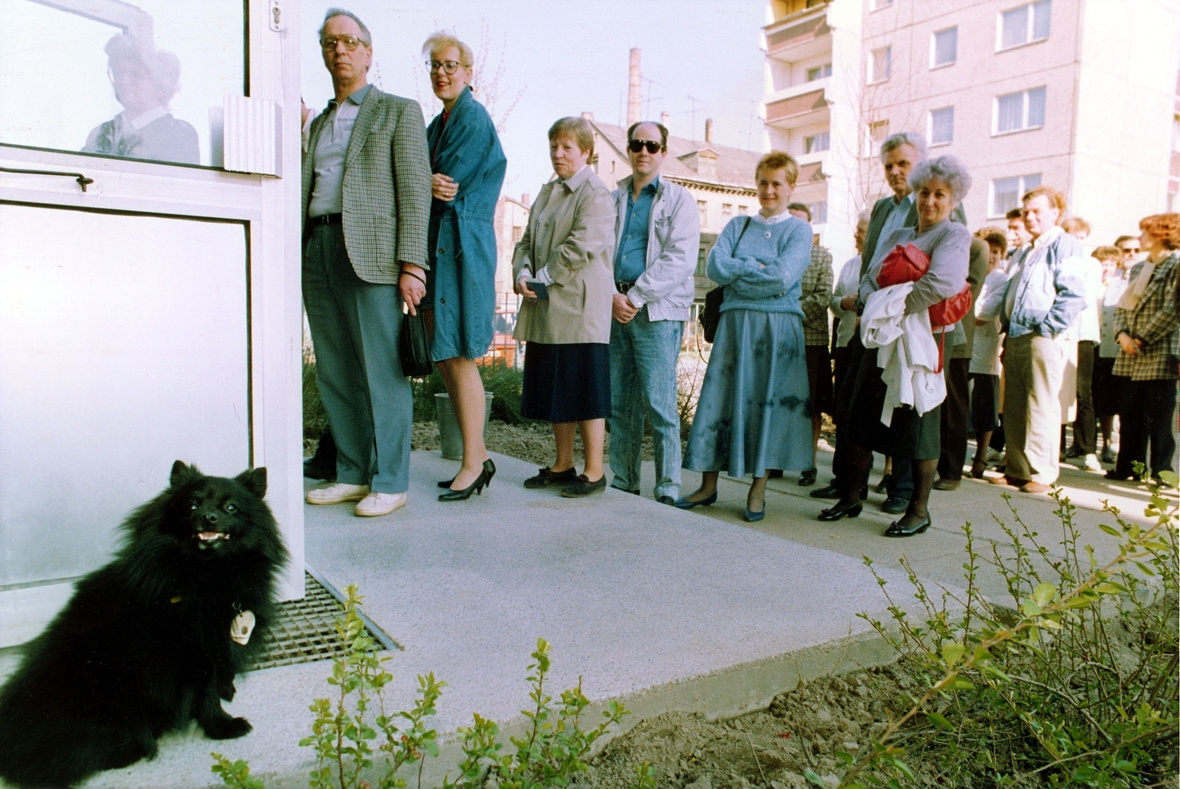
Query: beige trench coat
[571,234]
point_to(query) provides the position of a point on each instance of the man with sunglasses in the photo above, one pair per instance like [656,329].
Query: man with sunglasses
[657,239]
[366,207]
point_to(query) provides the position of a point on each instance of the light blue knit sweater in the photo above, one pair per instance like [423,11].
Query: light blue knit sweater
[764,271]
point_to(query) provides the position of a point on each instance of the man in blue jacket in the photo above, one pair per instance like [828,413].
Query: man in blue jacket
[657,238]
[1045,293]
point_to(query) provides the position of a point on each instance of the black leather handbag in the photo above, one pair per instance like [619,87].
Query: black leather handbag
[711,314]
[414,347]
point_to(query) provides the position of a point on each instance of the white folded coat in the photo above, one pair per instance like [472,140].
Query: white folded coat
[906,351]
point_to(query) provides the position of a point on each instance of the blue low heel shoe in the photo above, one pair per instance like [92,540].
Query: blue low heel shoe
[685,504]
[754,517]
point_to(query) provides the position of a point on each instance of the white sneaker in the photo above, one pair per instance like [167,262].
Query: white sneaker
[337,493]
[1091,463]
[380,504]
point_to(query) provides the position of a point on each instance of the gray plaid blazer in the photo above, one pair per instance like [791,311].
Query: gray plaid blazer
[1154,321]
[386,187]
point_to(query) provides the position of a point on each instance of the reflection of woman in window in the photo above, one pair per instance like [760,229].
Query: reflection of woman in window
[145,80]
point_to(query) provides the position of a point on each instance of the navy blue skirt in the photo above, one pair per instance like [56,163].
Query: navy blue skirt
[566,383]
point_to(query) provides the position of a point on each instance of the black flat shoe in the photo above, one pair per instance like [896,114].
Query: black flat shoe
[897,531]
[883,485]
[582,486]
[833,514]
[807,478]
[483,480]
[545,478]
[829,491]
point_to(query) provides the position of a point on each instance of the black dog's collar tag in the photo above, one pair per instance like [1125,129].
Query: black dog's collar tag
[242,626]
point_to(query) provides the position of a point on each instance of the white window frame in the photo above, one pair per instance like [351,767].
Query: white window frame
[1030,25]
[930,126]
[874,77]
[873,146]
[1024,183]
[934,47]
[811,140]
[1025,97]
[877,5]
[824,71]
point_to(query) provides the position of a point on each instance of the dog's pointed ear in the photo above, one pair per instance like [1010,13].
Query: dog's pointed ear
[182,473]
[254,481]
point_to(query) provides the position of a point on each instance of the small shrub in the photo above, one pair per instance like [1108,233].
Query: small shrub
[1047,691]
[553,749]
[315,419]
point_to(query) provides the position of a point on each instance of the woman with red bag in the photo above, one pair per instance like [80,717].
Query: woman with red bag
[939,185]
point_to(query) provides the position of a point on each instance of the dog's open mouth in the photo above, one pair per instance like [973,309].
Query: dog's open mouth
[206,538]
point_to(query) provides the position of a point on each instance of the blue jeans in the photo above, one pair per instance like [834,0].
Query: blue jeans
[643,358]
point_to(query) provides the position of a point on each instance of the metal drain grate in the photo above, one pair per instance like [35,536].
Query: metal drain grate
[305,630]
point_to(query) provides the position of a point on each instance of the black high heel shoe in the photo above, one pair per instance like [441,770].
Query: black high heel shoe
[833,514]
[483,480]
[488,466]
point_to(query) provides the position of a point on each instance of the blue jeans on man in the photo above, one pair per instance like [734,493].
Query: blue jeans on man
[643,355]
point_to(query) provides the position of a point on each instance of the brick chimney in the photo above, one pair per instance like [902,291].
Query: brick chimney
[634,89]
[708,130]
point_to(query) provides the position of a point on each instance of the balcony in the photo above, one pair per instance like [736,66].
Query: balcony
[799,35]
[798,108]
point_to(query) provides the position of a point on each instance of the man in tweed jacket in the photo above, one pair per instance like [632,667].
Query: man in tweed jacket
[365,211]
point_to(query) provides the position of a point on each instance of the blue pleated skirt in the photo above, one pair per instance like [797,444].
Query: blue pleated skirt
[754,413]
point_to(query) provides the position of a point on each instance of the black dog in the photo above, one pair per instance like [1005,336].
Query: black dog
[145,644]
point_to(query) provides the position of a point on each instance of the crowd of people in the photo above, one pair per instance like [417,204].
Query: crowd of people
[939,333]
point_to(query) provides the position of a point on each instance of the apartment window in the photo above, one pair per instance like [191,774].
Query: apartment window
[877,132]
[703,261]
[1024,25]
[726,212]
[1006,192]
[880,64]
[1019,111]
[517,234]
[942,126]
[819,213]
[703,208]
[817,142]
[743,210]
[819,72]
[877,5]
[944,47]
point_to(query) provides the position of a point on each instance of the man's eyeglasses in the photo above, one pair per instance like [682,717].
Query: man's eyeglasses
[1131,250]
[350,42]
[445,66]
[653,147]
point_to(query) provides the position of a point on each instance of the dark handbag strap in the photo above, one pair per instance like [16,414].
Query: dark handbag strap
[745,227]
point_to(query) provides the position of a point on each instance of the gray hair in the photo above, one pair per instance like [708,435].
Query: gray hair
[904,138]
[365,36]
[948,169]
[162,67]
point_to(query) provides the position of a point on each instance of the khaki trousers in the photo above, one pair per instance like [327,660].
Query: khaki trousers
[1034,368]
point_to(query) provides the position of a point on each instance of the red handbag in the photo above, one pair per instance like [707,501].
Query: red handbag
[909,264]
[903,264]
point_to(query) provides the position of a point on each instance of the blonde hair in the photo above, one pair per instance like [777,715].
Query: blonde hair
[778,160]
[441,39]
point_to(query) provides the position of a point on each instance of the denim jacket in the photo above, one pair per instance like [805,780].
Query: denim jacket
[1051,290]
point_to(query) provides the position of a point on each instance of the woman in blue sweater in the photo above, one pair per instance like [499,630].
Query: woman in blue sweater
[754,413]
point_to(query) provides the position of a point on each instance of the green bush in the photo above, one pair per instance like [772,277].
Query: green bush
[502,381]
[1052,690]
[315,419]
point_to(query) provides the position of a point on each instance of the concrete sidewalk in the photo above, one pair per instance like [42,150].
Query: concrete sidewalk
[662,608]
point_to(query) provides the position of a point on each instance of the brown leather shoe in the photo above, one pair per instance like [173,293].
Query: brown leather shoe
[1034,487]
[1006,480]
[944,483]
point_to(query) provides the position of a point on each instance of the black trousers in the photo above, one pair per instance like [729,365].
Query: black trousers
[847,363]
[1146,418]
[1085,427]
[954,419]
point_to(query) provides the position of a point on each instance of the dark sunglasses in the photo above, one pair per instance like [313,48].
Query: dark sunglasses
[635,146]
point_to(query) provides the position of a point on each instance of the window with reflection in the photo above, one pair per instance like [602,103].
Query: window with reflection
[137,80]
